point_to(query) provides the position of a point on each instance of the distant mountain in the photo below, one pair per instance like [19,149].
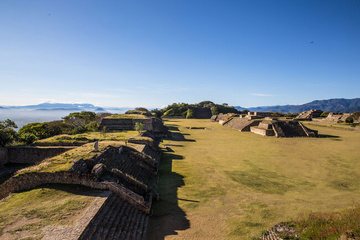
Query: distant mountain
[331,105]
[60,107]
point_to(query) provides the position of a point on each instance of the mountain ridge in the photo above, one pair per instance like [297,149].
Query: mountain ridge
[332,105]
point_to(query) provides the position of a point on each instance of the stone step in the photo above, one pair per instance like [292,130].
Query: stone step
[128,223]
[89,231]
[102,228]
[123,222]
[116,223]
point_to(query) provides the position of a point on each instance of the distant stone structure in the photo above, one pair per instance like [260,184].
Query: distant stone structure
[281,128]
[201,112]
[337,117]
[257,115]
[309,115]
[154,125]
[261,123]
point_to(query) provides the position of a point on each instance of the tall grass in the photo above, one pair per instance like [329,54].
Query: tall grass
[330,225]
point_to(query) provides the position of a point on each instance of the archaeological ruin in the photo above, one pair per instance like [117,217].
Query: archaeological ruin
[261,123]
[125,173]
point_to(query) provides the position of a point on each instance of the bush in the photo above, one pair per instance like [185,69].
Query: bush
[27,138]
[48,129]
[92,126]
[139,127]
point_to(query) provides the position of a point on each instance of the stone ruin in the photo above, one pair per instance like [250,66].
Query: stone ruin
[201,112]
[261,124]
[153,125]
[309,115]
[336,117]
[126,172]
[283,128]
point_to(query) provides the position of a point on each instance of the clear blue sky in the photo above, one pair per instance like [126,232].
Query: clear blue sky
[154,53]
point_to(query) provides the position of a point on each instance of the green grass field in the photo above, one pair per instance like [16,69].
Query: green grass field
[219,183]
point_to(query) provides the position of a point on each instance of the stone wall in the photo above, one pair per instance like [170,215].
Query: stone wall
[32,154]
[262,131]
[153,125]
[31,180]
[4,156]
[201,112]
[242,124]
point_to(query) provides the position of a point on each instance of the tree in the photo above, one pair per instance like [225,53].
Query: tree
[7,132]
[80,119]
[139,126]
[141,109]
[47,129]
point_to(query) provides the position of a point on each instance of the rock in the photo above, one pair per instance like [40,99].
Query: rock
[79,167]
[98,170]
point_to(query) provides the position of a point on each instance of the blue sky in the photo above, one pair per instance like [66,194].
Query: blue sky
[154,53]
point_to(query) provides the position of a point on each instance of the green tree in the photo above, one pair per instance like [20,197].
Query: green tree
[27,138]
[141,109]
[139,126]
[7,132]
[79,119]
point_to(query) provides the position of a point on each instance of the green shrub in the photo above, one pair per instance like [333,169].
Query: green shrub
[48,129]
[139,126]
[92,126]
[27,138]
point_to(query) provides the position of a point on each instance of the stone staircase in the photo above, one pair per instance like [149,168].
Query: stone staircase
[116,219]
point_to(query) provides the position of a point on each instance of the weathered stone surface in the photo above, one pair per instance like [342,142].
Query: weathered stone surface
[337,117]
[98,170]
[154,125]
[201,112]
[280,231]
[308,115]
[32,154]
[4,156]
[79,166]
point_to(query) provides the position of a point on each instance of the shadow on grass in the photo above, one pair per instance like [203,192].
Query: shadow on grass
[327,136]
[172,128]
[175,136]
[167,217]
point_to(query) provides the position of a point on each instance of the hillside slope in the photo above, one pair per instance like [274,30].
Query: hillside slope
[331,105]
